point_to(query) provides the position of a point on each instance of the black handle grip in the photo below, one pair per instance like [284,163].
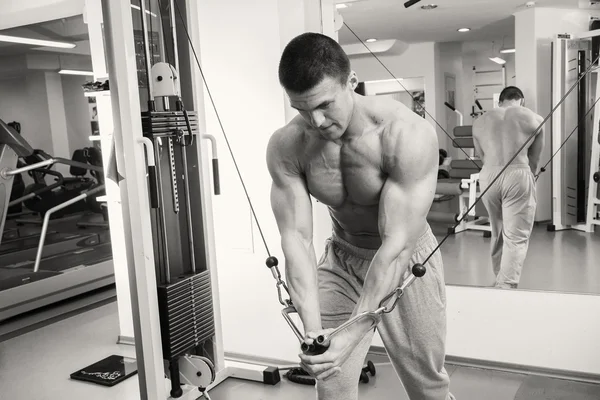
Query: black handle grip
[314,349]
[217,183]
[478,104]
[153,187]
[450,106]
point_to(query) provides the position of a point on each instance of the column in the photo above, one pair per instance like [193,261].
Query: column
[58,120]
[93,18]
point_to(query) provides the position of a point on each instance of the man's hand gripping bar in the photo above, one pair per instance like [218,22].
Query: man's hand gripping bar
[321,344]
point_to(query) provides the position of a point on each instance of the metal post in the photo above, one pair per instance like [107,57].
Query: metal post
[139,246]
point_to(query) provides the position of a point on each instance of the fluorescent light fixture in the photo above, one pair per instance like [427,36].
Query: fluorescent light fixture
[75,72]
[36,42]
[498,60]
[341,5]
[140,9]
[464,29]
[505,51]
[370,40]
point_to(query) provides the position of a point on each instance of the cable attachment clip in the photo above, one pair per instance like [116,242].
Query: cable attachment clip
[272,263]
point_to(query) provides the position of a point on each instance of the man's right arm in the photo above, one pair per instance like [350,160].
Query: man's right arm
[291,205]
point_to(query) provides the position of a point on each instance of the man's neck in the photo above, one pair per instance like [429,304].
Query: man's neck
[360,121]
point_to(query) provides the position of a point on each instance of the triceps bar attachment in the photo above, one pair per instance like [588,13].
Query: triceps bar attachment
[321,344]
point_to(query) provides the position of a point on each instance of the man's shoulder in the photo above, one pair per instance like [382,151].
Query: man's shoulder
[288,138]
[523,113]
[528,119]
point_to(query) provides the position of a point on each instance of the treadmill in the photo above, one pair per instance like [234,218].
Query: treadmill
[52,276]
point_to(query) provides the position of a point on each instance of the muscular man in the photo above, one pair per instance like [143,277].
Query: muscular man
[373,162]
[511,201]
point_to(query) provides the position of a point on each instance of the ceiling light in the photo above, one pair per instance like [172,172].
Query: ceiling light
[505,51]
[75,72]
[36,42]
[429,6]
[464,29]
[370,40]
[341,5]
[498,60]
[139,9]
[411,3]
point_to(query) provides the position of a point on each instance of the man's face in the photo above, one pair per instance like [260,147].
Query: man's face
[327,107]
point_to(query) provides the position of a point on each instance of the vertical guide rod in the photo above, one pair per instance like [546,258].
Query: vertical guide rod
[146,51]
[581,136]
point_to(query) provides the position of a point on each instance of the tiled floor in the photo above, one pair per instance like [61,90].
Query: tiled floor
[37,364]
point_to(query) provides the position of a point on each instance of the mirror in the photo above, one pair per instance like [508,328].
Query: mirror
[462,73]
[46,76]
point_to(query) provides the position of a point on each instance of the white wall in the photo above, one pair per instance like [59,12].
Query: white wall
[13,104]
[539,329]
[450,62]
[76,111]
[244,84]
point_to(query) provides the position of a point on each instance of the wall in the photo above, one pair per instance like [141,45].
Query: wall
[251,110]
[540,329]
[450,62]
[13,104]
[52,110]
[77,112]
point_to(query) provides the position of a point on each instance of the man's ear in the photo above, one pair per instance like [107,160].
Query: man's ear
[353,80]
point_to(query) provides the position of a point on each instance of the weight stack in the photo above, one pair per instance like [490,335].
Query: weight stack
[186,314]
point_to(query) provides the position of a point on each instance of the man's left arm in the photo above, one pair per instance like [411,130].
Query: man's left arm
[411,164]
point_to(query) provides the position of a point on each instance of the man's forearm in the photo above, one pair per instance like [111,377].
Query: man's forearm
[301,274]
[384,275]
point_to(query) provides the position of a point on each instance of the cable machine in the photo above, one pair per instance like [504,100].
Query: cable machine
[575,152]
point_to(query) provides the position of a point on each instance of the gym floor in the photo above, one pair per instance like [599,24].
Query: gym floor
[37,365]
[563,261]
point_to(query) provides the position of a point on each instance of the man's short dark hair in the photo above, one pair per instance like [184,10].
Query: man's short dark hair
[511,93]
[308,59]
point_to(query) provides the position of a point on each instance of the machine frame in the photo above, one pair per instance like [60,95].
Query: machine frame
[587,202]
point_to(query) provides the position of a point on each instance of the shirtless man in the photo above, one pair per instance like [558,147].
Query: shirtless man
[373,162]
[511,201]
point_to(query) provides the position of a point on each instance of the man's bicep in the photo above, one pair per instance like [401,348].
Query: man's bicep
[409,190]
[291,205]
[404,208]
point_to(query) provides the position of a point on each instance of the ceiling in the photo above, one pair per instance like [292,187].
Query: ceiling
[71,29]
[389,19]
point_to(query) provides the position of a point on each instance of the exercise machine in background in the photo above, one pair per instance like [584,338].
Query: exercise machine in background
[575,152]
[463,182]
[43,275]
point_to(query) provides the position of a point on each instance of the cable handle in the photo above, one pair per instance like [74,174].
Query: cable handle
[321,344]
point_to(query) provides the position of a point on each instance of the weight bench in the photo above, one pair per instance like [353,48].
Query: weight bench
[463,183]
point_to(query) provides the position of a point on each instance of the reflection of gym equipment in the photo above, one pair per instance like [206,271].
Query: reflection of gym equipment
[486,85]
[40,197]
[576,158]
[28,284]
[463,183]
